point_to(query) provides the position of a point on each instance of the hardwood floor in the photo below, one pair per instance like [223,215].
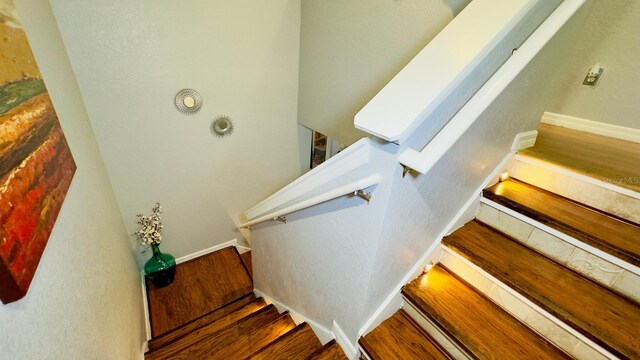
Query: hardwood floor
[246,336]
[246,260]
[479,326]
[200,286]
[604,158]
[222,317]
[605,317]
[227,320]
[330,351]
[615,236]
[298,343]
[399,338]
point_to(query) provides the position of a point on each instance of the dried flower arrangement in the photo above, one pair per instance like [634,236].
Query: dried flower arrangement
[150,232]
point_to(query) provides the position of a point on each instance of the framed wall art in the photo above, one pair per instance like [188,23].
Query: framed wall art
[36,165]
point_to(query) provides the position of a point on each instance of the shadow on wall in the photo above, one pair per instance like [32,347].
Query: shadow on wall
[351,50]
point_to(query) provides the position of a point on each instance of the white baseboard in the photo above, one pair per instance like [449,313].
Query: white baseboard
[524,140]
[432,254]
[323,334]
[242,249]
[349,349]
[594,127]
[145,306]
[196,254]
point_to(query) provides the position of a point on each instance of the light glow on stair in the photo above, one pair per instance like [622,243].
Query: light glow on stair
[505,176]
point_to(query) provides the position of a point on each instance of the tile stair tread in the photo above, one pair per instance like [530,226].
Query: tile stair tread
[618,237]
[298,343]
[202,342]
[598,313]
[330,351]
[480,327]
[228,313]
[399,337]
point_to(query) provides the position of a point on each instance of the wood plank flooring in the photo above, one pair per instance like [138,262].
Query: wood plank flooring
[246,260]
[223,316]
[598,313]
[400,338]
[604,158]
[479,326]
[221,278]
[298,343]
[618,237]
[330,351]
[240,340]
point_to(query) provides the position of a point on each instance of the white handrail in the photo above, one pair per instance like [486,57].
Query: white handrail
[350,188]
[451,68]
[348,160]
[424,160]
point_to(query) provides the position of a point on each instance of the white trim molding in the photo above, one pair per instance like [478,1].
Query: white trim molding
[524,140]
[203,252]
[590,126]
[349,349]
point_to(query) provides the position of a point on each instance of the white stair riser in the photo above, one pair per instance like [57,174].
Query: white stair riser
[596,193]
[566,338]
[580,259]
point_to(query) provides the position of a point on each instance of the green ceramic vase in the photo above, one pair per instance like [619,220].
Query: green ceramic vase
[161,268]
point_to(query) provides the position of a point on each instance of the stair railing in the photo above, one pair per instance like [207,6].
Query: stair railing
[342,174]
[422,161]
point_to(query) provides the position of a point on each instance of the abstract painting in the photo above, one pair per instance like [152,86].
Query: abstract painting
[36,166]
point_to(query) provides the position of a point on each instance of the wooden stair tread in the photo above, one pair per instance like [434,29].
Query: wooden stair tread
[205,344]
[330,351]
[298,343]
[246,260]
[595,311]
[615,236]
[399,337]
[479,326]
[224,316]
[201,285]
[598,156]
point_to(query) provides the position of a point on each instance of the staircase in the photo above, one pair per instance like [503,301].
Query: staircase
[188,324]
[548,269]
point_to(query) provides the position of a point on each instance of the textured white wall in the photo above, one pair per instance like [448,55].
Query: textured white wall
[320,261]
[351,49]
[84,302]
[341,259]
[131,57]
[611,36]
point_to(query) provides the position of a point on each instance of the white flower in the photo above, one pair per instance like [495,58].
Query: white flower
[150,232]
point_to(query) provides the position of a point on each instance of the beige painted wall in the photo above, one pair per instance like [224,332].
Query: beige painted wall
[351,49]
[84,301]
[611,36]
[131,57]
